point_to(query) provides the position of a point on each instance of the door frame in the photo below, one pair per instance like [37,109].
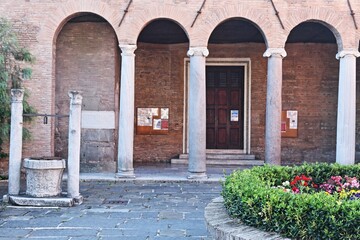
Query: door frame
[243,62]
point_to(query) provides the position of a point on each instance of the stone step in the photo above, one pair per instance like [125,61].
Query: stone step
[223,156]
[223,162]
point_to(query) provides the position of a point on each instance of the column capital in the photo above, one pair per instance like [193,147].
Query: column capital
[17,95]
[75,97]
[127,50]
[346,52]
[198,51]
[275,52]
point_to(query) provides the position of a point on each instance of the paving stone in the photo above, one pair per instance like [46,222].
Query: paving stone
[10,232]
[154,211]
[172,233]
[171,215]
[63,232]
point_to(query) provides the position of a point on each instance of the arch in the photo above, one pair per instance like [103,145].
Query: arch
[331,28]
[79,66]
[66,11]
[333,20]
[202,32]
[253,25]
[142,18]
[172,25]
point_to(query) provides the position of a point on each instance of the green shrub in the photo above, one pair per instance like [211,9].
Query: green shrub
[250,196]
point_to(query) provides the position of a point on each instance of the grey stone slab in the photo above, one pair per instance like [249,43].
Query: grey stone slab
[50,237]
[111,232]
[10,238]
[36,222]
[42,202]
[63,232]
[10,232]
[150,215]
[126,215]
[90,222]
[125,238]
[178,233]
[171,215]
[85,238]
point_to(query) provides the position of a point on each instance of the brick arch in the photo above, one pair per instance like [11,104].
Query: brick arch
[51,28]
[260,18]
[164,19]
[130,30]
[334,21]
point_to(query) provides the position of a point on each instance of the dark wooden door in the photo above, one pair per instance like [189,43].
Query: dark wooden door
[224,107]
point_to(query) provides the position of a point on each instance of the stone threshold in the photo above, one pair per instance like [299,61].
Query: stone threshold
[221,226]
[60,201]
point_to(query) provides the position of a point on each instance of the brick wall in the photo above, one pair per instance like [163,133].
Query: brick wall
[159,82]
[310,86]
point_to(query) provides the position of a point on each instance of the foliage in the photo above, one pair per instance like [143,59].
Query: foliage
[13,72]
[252,196]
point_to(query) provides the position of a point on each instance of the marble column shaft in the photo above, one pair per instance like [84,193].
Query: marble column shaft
[273,105]
[15,154]
[346,117]
[197,112]
[126,115]
[73,163]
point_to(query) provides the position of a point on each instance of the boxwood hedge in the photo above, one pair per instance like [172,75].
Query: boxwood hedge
[249,195]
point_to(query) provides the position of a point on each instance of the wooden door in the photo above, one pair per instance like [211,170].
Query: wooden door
[224,107]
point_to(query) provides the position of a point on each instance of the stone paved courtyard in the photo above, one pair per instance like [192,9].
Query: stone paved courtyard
[117,210]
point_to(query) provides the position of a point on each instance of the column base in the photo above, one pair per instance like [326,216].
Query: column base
[197,175]
[6,198]
[125,174]
[78,200]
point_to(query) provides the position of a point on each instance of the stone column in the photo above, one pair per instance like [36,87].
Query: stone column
[73,181]
[197,112]
[126,113]
[17,96]
[273,105]
[346,117]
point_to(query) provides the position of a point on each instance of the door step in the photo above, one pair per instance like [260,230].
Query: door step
[222,158]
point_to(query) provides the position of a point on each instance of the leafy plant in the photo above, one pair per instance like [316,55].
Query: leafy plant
[13,72]
[250,195]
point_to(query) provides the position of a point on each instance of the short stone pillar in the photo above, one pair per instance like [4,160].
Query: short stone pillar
[17,96]
[44,176]
[73,181]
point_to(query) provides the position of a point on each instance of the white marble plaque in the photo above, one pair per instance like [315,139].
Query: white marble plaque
[98,119]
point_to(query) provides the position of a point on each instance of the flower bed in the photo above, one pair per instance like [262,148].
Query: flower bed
[304,202]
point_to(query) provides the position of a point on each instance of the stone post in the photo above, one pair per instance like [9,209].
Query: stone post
[17,96]
[126,114]
[346,117]
[73,181]
[273,105]
[197,112]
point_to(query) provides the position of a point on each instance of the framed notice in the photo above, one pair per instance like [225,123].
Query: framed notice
[289,124]
[234,115]
[152,121]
